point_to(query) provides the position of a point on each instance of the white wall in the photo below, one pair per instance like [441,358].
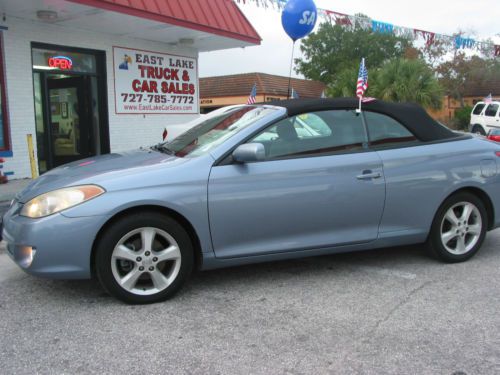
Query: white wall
[126,131]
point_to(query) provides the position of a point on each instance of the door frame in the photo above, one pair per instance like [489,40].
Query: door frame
[102,93]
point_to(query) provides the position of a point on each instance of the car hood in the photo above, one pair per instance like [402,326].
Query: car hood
[98,170]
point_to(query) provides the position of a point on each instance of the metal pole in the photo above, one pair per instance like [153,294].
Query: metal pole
[31,152]
[290,74]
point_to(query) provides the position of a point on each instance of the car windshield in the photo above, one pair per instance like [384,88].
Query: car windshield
[495,132]
[213,131]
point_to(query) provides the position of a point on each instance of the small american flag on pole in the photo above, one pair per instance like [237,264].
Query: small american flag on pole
[252,99]
[362,80]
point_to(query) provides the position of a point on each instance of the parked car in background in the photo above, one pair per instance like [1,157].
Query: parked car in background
[485,117]
[494,135]
[323,179]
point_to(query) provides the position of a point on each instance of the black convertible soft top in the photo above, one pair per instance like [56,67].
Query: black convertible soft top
[412,116]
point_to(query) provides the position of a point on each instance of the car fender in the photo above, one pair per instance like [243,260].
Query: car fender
[171,198]
[471,185]
[481,126]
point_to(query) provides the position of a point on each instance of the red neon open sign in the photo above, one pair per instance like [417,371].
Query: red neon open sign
[60,62]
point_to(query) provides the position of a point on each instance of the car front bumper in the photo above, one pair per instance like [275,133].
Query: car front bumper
[56,246]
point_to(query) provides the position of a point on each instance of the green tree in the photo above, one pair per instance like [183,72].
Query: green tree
[461,120]
[456,69]
[403,80]
[343,84]
[456,73]
[333,51]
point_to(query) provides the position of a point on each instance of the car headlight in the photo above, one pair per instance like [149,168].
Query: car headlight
[58,200]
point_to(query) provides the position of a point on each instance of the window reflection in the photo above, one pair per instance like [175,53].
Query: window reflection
[215,131]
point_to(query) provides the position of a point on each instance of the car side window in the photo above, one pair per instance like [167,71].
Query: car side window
[313,134]
[478,109]
[385,131]
[492,110]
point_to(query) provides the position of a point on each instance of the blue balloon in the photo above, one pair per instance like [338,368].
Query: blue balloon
[299,18]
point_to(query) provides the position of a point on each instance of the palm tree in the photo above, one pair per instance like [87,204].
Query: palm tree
[405,80]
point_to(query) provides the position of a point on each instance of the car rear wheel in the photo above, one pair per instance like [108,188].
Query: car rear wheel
[144,258]
[459,228]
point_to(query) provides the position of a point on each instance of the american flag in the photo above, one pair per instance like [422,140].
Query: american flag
[488,99]
[252,99]
[362,80]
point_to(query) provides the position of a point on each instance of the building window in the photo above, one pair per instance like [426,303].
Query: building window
[4,125]
[49,59]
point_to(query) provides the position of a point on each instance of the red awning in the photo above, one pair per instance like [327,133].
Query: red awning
[220,17]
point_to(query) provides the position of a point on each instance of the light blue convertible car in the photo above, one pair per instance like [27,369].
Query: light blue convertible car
[259,183]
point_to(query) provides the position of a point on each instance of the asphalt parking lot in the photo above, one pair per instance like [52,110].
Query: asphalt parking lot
[392,311]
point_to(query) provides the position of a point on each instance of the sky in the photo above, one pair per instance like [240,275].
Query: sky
[273,55]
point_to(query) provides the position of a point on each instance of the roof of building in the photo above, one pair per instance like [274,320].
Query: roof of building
[412,116]
[241,85]
[483,88]
[220,17]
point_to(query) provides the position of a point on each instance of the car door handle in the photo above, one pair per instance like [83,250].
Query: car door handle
[369,175]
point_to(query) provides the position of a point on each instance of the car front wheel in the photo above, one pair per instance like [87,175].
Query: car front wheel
[478,129]
[459,228]
[144,258]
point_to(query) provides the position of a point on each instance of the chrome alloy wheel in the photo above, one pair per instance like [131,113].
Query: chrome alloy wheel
[146,261]
[461,228]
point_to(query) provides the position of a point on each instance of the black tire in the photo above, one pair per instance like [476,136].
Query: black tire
[119,230]
[478,129]
[435,242]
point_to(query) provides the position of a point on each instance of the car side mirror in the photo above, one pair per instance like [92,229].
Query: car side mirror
[249,152]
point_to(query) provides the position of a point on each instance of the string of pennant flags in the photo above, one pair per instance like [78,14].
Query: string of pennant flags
[355,22]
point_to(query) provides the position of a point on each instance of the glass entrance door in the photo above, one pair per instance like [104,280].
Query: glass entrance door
[71,112]
[68,119]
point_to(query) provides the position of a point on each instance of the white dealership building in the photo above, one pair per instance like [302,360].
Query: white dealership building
[85,77]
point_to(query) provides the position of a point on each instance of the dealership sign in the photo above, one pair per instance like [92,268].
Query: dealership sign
[149,82]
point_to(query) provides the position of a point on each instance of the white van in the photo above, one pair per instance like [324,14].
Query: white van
[485,117]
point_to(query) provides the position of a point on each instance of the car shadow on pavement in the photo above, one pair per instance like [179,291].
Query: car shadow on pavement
[400,262]
[342,262]
[414,257]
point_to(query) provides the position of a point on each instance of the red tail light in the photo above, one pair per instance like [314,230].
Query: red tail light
[497,153]
[494,138]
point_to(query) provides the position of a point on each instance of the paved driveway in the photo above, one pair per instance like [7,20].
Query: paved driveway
[393,311]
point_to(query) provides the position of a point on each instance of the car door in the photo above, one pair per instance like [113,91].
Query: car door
[416,174]
[491,115]
[476,115]
[319,190]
